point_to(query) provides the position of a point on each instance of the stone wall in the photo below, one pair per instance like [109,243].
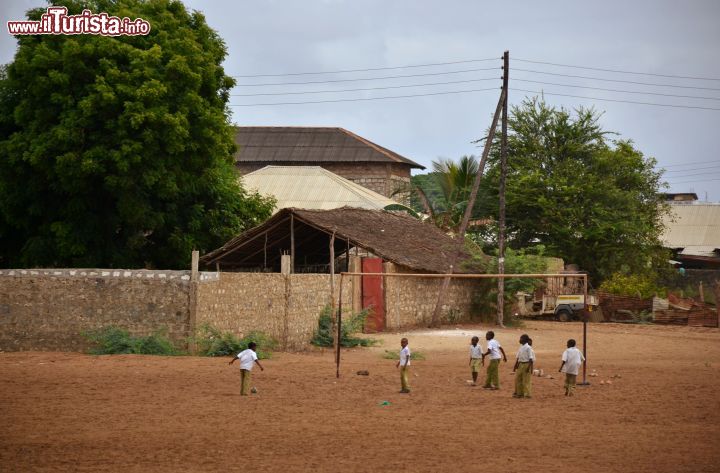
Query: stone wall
[286,307]
[410,301]
[48,309]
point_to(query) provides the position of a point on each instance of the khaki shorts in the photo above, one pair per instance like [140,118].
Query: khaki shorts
[475,364]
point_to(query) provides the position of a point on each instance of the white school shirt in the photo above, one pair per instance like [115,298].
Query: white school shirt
[476,351]
[494,347]
[525,353]
[247,359]
[405,356]
[573,358]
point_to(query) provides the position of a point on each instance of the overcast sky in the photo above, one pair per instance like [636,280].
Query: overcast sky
[657,37]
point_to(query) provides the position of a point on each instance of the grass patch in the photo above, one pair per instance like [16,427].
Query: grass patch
[351,324]
[395,355]
[209,341]
[118,341]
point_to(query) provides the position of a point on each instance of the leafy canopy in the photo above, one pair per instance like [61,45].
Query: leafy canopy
[117,151]
[589,200]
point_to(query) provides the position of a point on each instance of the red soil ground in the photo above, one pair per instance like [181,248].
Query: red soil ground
[74,412]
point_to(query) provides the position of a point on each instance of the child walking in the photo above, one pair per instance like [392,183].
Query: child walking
[247,359]
[523,368]
[494,350]
[404,365]
[476,358]
[572,358]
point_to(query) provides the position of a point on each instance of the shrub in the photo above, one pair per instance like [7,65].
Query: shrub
[210,341]
[352,324]
[117,341]
[395,355]
[638,285]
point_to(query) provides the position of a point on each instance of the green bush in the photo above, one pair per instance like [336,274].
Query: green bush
[210,341]
[117,341]
[352,324]
[638,285]
[395,355]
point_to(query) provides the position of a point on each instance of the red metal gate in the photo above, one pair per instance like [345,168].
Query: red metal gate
[373,295]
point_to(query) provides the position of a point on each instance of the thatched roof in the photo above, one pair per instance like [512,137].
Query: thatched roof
[396,237]
[310,145]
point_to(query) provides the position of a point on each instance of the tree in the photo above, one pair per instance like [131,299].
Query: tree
[590,200]
[117,151]
[447,190]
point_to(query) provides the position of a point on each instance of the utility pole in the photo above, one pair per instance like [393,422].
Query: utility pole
[503,174]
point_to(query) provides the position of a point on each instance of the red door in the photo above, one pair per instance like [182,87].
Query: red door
[373,295]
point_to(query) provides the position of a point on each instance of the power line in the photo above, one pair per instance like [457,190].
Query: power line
[695,181]
[695,174]
[368,88]
[362,99]
[371,69]
[691,162]
[617,90]
[370,78]
[617,80]
[694,169]
[619,101]
[618,71]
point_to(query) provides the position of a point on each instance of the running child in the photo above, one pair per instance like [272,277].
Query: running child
[247,359]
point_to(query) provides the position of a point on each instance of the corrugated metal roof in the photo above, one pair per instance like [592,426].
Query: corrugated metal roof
[310,144]
[696,228]
[312,187]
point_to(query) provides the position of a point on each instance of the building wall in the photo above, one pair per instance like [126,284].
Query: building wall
[48,309]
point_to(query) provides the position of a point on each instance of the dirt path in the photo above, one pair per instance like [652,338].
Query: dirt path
[72,412]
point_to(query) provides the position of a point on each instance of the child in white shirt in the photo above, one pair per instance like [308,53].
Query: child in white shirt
[247,359]
[404,365]
[572,358]
[476,358]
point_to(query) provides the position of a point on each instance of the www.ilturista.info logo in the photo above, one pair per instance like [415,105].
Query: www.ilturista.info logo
[57,21]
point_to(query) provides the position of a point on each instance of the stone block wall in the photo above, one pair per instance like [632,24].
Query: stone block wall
[410,301]
[286,307]
[48,309]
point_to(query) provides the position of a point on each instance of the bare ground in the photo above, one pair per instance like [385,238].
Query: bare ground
[74,412]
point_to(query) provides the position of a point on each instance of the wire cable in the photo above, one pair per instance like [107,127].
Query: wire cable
[371,68]
[694,169]
[363,99]
[617,90]
[695,181]
[616,80]
[368,88]
[370,78]
[618,101]
[618,70]
[691,162]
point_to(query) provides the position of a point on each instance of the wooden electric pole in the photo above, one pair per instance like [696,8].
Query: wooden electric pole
[435,320]
[501,191]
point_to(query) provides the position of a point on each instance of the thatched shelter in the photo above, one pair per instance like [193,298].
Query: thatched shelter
[306,235]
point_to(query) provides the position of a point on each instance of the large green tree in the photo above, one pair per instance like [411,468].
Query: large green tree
[588,199]
[117,151]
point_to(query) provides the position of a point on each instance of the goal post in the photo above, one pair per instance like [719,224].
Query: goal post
[579,275]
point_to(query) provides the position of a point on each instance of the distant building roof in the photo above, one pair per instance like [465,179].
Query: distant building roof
[312,187]
[695,229]
[681,196]
[395,237]
[267,144]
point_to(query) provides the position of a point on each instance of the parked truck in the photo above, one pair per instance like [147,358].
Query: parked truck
[562,307]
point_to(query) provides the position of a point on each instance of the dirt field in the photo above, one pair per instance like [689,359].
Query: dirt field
[72,412]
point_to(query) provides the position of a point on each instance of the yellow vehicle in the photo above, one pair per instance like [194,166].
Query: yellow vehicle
[563,307]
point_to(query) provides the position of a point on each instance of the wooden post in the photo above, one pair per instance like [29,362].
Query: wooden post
[702,293]
[339,329]
[265,252]
[292,243]
[332,284]
[434,321]
[503,174]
